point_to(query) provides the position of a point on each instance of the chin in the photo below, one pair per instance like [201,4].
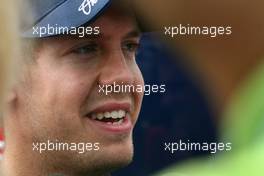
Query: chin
[119,161]
[121,153]
[100,162]
[106,160]
[117,156]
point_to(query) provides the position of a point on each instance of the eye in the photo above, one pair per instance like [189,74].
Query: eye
[86,49]
[131,47]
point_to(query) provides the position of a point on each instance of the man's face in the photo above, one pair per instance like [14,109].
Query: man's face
[61,99]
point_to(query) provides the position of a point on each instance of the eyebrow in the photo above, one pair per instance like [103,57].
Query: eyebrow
[132,34]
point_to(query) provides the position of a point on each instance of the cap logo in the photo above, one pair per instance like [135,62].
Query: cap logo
[86,6]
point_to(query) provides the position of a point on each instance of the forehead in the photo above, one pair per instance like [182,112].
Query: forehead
[117,19]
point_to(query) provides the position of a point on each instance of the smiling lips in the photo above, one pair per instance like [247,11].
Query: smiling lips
[114,117]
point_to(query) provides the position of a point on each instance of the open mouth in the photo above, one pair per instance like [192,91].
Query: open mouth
[116,117]
[111,117]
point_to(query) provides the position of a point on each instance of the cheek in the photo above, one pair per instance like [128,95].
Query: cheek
[57,113]
[138,95]
[60,96]
[72,92]
[137,73]
[139,80]
[72,88]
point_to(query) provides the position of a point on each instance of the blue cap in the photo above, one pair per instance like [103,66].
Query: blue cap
[62,13]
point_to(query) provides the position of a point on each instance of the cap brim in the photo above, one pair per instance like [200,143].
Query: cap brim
[67,16]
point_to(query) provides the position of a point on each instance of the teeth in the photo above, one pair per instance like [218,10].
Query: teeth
[114,114]
[119,122]
[121,113]
[100,116]
[117,114]
[107,114]
[115,123]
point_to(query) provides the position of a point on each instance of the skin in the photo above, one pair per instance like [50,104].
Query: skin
[60,87]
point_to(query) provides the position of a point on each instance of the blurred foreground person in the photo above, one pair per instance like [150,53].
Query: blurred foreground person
[231,70]
[8,45]
[9,48]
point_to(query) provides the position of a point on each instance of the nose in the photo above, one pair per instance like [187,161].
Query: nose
[116,70]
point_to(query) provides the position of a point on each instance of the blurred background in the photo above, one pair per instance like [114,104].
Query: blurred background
[182,112]
[204,77]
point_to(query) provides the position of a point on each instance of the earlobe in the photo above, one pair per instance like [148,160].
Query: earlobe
[10,101]
[11,96]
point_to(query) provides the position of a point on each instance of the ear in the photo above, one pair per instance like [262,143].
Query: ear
[7,108]
[10,101]
[11,96]
[6,100]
